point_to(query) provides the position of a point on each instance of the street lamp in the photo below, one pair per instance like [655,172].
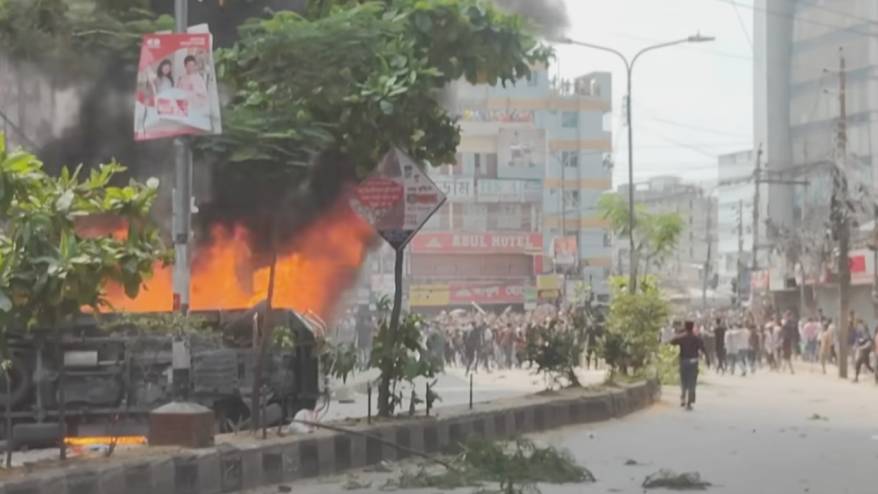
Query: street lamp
[629,66]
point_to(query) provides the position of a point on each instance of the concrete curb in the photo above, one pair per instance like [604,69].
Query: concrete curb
[231,468]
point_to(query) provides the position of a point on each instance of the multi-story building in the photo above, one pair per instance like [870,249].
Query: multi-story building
[798,47]
[522,196]
[735,195]
[683,271]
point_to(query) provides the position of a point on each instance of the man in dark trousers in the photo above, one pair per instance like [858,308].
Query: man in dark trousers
[719,333]
[690,346]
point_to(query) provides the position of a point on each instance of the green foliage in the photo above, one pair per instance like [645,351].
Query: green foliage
[517,467]
[555,350]
[361,78]
[77,37]
[48,270]
[158,323]
[337,360]
[634,325]
[655,234]
[668,365]
[400,356]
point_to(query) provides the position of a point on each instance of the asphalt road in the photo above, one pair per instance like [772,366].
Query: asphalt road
[746,435]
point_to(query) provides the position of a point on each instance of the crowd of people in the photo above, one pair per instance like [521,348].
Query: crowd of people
[477,340]
[737,343]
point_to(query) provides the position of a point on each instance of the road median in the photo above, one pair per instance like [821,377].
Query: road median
[242,461]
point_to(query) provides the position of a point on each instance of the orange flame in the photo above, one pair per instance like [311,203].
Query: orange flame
[312,271]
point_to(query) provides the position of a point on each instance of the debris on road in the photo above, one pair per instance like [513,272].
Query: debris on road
[817,416]
[517,467]
[382,467]
[631,462]
[667,479]
[353,484]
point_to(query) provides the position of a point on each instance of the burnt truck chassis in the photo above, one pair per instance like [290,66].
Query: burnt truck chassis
[128,372]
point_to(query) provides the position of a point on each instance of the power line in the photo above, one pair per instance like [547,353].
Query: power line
[799,19]
[693,127]
[743,27]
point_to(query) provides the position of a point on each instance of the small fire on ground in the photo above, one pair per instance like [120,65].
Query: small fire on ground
[85,441]
[313,269]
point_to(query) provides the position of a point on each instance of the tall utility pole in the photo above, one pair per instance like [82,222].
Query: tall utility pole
[708,236]
[740,263]
[182,197]
[757,181]
[840,221]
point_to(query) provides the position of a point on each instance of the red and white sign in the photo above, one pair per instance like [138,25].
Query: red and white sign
[397,199]
[759,280]
[862,268]
[478,243]
[176,86]
[485,294]
[565,250]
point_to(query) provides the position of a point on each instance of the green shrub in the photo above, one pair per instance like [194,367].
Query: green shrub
[631,342]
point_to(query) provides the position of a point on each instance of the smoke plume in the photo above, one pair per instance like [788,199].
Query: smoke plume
[549,17]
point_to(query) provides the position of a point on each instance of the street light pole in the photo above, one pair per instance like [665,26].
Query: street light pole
[629,67]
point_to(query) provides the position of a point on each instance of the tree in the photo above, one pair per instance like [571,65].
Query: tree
[400,356]
[360,78]
[655,234]
[49,269]
[634,325]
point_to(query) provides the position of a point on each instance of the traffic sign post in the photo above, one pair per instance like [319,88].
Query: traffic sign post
[397,199]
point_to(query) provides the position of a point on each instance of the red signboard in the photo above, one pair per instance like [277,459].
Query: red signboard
[397,198]
[477,243]
[485,294]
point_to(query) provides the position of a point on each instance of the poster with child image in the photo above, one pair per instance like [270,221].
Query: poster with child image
[176,87]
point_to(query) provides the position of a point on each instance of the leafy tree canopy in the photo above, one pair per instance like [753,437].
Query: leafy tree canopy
[76,38]
[655,234]
[363,77]
[49,268]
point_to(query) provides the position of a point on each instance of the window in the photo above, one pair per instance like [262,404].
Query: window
[569,120]
[570,159]
[607,240]
[571,200]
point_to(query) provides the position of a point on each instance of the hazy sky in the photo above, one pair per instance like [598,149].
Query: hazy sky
[691,102]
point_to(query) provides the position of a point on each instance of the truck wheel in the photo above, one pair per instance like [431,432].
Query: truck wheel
[20,383]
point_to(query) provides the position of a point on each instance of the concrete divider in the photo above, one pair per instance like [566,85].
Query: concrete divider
[245,462]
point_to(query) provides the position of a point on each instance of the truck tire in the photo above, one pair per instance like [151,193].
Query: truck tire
[21,383]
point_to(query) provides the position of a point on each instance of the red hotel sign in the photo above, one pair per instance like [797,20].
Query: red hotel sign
[477,243]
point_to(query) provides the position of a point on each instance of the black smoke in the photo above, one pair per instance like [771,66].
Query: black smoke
[549,17]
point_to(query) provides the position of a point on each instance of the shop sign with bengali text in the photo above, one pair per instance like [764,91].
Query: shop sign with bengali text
[397,198]
[477,243]
[456,189]
[435,295]
[550,282]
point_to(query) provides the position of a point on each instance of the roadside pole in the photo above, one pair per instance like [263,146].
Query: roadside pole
[841,224]
[182,196]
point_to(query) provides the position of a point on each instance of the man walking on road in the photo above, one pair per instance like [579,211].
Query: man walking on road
[690,346]
[719,334]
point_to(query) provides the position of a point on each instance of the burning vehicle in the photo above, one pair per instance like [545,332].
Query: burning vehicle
[115,369]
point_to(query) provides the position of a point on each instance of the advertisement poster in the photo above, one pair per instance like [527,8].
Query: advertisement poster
[521,153]
[176,87]
[397,199]
[565,251]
